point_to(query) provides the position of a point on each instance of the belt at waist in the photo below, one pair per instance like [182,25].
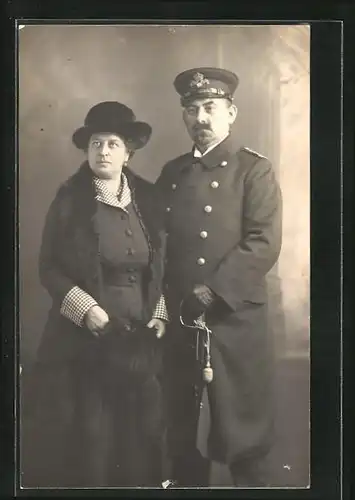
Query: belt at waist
[120,277]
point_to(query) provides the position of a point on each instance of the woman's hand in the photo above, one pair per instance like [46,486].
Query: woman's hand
[96,319]
[159,325]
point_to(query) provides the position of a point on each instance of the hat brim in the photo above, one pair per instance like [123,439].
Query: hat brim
[135,134]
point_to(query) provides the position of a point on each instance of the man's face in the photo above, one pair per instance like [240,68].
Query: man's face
[208,121]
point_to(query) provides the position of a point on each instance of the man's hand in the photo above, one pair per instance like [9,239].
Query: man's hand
[204,294]
[159,325]
[197,302]
[96,319]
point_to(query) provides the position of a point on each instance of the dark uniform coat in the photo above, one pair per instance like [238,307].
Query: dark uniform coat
[223,219]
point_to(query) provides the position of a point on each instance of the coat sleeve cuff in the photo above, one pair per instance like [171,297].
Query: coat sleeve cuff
[76,304]
[205,295]
[160,311]
[229,297]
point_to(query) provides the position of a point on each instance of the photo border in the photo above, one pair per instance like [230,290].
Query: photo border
[331,274]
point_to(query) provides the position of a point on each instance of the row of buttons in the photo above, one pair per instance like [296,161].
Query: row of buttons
[214,185]
[207,209]
[130,251]
[132,278]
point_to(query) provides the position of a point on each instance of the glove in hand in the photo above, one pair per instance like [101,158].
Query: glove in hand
[196,303]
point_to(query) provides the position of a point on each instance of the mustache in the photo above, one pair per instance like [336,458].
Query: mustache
[198,127]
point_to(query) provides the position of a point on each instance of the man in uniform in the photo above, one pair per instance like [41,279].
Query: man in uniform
[223,223]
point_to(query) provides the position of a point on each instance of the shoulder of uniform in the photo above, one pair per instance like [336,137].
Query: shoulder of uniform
[253,153]
[177,160]
[171,167]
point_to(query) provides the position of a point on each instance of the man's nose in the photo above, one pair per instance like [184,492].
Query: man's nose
[202,116]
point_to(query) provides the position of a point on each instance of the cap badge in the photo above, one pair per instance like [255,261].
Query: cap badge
[198,80]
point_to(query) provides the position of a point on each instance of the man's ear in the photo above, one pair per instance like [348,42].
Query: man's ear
[233,111]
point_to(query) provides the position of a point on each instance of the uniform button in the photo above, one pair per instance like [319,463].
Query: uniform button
[130,251]
[201,405]
[127,327]
[203,234]
[132,279]
[214,184]
[173,187]
[208,209]
[128,232]
[168,209]
[201,261]
[224,163]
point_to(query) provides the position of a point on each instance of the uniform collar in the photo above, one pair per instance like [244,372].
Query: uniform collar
[197,153]
[218,154]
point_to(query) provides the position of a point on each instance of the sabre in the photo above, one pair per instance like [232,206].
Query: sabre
[200,325]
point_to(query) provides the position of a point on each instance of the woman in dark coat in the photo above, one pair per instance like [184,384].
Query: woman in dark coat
[96,414]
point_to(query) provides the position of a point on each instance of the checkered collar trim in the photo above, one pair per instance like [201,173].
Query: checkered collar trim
[120,200]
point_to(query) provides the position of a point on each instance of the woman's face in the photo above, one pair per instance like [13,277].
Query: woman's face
[106,155]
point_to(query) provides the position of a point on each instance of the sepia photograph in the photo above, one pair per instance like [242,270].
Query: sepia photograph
[164,255]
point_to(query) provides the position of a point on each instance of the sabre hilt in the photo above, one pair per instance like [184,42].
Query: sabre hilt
[200,325]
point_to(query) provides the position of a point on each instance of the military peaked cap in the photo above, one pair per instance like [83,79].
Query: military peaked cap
[197,83]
